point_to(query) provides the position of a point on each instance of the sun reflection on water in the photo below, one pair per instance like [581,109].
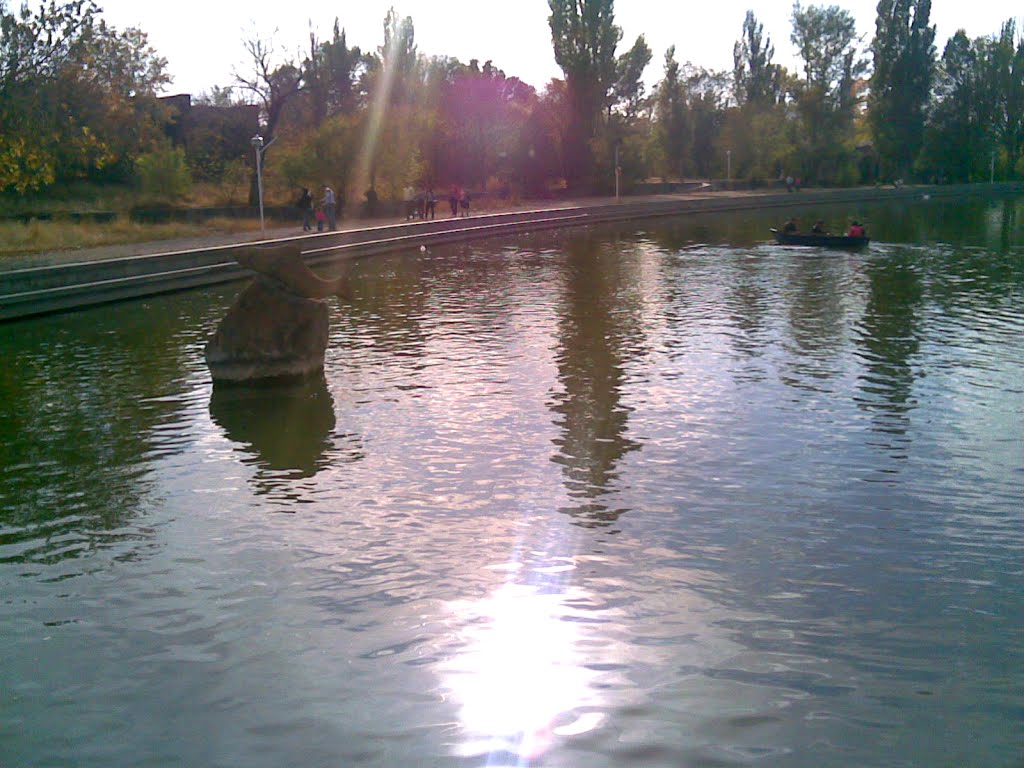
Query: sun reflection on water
[522,678]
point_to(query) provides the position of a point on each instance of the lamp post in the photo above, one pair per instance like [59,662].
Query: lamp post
[257,145]
[728,167]
[260,148]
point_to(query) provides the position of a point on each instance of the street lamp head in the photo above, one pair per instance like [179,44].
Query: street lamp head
[256,141]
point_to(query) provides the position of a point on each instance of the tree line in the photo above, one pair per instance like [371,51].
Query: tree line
[78,100]
[77,96]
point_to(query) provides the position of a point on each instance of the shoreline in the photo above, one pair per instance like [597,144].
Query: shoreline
[68,256]
[60,281]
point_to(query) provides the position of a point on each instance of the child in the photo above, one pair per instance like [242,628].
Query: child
[321,218]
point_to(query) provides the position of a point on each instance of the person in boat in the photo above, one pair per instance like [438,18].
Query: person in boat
[790,227]
[819,228]
[856,229]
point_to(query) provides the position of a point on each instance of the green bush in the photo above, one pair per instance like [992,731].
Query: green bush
[163,175]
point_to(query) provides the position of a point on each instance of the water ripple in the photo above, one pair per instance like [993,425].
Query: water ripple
[619,498]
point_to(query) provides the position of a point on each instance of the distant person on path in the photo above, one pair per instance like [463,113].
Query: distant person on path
[409,202]
[305,205]
[330,207]
[321,218]
[431,202]
[464,202]
[453,199]
[371,202]
[789,183]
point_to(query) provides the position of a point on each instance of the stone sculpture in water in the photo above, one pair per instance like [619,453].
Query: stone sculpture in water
[278,326]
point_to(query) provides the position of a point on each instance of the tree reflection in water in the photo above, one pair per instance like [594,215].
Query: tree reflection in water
[889,340]
[595,343]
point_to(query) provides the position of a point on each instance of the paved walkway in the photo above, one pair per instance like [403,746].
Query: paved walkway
[104,252]
[101,253]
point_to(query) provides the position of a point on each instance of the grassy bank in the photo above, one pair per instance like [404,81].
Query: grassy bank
[62,234]
[82,197]
[43,236]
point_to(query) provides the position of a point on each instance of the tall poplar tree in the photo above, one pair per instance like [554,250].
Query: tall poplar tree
[957,134]
[331,74]
[673,129]
[826,38]
[628,91]
[976,129]
[1005,70]
[904,69]
[757,81]
[584,36]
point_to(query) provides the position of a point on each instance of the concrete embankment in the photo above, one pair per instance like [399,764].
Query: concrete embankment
[59,287]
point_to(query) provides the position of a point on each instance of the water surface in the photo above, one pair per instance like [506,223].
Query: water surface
[661,494]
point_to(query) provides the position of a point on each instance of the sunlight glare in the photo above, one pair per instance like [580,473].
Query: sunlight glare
[378,109]
[521,673]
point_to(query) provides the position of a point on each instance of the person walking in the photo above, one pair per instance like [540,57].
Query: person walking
[330,203]
[409,202]
[431,201]
[453,199]
[305,206]
[464,202]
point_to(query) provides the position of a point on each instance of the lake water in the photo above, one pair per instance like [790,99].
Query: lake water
[658,494]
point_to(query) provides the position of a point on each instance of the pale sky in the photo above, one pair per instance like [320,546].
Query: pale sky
[202,40]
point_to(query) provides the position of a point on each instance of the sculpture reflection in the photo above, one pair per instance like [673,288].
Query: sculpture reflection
[285,426]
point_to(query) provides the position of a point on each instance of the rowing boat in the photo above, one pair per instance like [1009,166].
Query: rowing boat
[820,241]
